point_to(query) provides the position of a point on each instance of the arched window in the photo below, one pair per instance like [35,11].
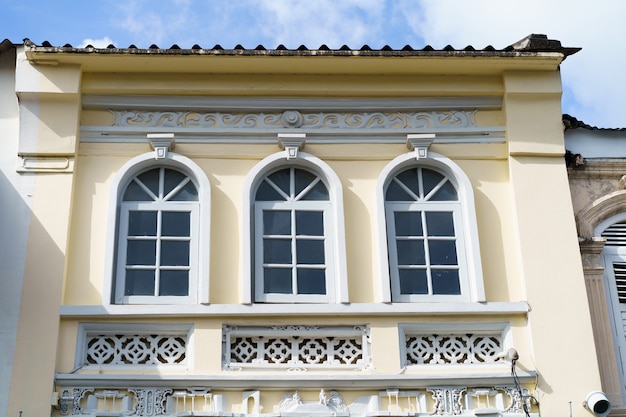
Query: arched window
[159,230]
[296,250]
[157,238]
[429,233]
[293,245]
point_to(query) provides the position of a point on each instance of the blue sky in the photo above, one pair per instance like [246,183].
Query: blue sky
[594,87]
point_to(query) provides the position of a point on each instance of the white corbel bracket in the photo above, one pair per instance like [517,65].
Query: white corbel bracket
[161,143]
[420,144]
[292,143]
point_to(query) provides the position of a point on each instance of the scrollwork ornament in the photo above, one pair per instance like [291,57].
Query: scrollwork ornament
[291,118]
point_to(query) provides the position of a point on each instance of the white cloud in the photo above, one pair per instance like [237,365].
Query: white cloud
[592,78]
[313,23]
[96,43]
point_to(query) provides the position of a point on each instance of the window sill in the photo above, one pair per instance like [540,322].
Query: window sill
[256,310]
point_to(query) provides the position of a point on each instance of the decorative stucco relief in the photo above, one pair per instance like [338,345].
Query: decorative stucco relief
[296,119]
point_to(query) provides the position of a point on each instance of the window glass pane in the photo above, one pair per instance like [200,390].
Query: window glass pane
[411,252]
[139,282]
[135,193]
[142,223]
[174,283]
[445,193]
[276,222]
[310,252]
[413,281]
[311,281]
[175,253]
[171,179]
[277,251]
[151,180]
[409,178]
[442,252]
[397,193]
[408,223]
[141,252]
[281,179]
[317,193]
[310,223]
[175,223]
[439,223]
[303,179]
[430,180]
[277,281]
[446,281]
[187,193]
[267,193]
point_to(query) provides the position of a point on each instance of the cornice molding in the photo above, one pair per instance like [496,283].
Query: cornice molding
[337,381]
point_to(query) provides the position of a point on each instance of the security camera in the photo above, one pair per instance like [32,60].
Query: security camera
[598,403]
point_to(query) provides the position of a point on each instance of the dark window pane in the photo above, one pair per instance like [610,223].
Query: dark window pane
[318,193]
[277,281]
[281,179]
[397,193]
[408,223]
[446,281]
[187,193]
[311,281]
[445,193]
[151,180]
[171,179]
[303,179]
[174,253]
[174,283]
[141,252]
[276,222]
[139,282]
[413,281]
[175,223]
[430,180]
[310,223]
[442,252]
[439,223]
[411,252]
[409,178]
[277,251]
[267,193]
[310,252]
[142,223]
[135,193]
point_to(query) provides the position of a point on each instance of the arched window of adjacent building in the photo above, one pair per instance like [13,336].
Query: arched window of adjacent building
[613,255]
[161,233]
[295,251]
[429,232]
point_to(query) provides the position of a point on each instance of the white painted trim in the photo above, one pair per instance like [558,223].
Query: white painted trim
[318,310]
[335,190]
[468,213]
[124,174]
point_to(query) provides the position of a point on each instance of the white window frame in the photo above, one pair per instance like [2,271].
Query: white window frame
[466,229]
[199,282]
[125,208]
[448,207]
[337,286]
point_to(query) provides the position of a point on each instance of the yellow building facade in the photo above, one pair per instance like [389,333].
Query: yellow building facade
[291,232]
